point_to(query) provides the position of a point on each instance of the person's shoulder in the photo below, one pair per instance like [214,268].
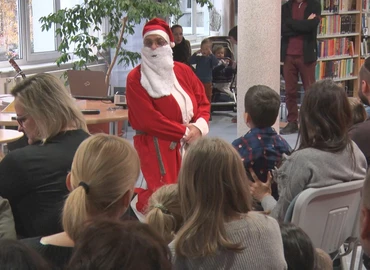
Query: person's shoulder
[136,71]
[237,141]
[33,242]
[360,128]
[19,154]
[182,67]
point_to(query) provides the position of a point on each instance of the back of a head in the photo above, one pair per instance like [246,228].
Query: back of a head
[359,114]
[298,248]
[164,212]
[205,41]
[213,188]
[104,170]
[234,33]
[262,104]
[322,260]
[48,102]
[111,245]
[16,256]
[325,117]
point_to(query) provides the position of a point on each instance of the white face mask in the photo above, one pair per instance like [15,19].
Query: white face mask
[157,75]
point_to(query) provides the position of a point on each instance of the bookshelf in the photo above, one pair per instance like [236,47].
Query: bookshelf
[340,42]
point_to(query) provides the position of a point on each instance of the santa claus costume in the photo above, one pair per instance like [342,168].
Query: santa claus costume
[163,96]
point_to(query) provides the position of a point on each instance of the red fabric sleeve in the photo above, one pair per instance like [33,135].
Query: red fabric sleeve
[144,117]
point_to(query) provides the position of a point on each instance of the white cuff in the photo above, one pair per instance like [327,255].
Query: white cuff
[268,203]
[187,130]
[202,125]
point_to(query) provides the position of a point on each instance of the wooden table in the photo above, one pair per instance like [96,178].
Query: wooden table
[9,135]
[109,113]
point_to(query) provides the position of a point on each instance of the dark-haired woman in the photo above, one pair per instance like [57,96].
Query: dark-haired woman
[182,49]
[325,155]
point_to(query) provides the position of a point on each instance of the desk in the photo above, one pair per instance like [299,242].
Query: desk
[107,115]
[9,135]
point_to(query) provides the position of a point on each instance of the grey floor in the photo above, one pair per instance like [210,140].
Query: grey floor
[222,127]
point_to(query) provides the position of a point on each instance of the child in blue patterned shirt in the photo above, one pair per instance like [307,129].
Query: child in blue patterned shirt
[261,148]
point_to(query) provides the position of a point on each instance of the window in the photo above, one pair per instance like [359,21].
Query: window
[20,30]
[9,30]
[195,19]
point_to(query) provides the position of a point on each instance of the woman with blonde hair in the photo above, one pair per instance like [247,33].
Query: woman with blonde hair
[102,179]
[32,178]
[220,231]
[164,212]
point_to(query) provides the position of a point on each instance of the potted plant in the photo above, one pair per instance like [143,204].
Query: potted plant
[73,25]
[214,22]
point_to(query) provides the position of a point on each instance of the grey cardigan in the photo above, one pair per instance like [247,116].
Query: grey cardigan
[314,168]
[258,233]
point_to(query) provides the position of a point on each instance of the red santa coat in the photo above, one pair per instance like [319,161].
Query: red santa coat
[160,124]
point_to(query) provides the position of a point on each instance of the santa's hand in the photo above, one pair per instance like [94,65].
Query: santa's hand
[193,135]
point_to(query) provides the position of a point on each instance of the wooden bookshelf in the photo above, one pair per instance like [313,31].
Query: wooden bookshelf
[340,42]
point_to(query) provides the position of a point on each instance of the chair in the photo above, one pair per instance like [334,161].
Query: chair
[329,214]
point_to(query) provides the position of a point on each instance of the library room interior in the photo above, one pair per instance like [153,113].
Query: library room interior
[184,134]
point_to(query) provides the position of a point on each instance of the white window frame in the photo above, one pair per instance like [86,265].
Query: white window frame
[34,58]
[196,32]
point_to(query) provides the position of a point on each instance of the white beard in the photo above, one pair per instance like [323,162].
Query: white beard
[157,75]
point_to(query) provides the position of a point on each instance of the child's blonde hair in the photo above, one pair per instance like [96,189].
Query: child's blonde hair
[104,169]
[358,111]
[322,260]
[218,48]
[164,212]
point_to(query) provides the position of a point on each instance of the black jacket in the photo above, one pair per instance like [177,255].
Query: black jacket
[307,28]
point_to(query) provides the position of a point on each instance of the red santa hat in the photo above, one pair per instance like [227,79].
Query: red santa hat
[158,26]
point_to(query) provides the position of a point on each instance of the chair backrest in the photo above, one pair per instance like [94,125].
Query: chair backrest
[329,214]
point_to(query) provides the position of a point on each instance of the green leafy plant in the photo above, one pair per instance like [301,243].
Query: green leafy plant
[73,27]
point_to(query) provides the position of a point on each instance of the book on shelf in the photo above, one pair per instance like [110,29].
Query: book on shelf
[334,6]
[334,69]
[335,47]
[366,5]
[365,47]
[337,24]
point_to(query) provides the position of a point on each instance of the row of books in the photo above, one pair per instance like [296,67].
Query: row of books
[337,69]
[366,5]
[337,24]
[365,23]
[335,47]
[365,47]
[337,5]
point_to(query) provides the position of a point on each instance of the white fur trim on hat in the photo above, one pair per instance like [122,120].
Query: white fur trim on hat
[162,34]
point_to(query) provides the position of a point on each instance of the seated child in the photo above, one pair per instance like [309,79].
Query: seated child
[359,114]
[261,148]
[299,251]
[205,61]
[223,73]
[164,212]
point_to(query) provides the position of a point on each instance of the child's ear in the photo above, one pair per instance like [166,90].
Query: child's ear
[246,118]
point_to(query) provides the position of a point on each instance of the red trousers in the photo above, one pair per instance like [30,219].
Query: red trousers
[293,66]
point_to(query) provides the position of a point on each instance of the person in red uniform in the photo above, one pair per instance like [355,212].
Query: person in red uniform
[299,21]
[167,107]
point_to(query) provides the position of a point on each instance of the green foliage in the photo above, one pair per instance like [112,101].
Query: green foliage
[73,25]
